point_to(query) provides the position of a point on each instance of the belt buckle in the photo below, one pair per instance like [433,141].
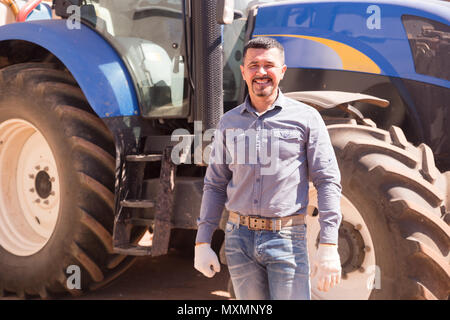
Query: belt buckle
[256,223]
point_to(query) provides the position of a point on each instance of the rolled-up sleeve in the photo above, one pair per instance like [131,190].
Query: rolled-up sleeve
[324,173]
[214,197]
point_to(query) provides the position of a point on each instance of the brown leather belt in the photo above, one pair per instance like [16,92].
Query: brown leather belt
[259,223]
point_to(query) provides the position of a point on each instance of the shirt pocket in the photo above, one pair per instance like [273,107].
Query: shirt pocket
[287,141]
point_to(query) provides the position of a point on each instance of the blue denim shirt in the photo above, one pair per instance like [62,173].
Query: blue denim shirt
[261,164]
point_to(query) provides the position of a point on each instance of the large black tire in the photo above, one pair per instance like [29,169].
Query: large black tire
[401,196]
[84,151]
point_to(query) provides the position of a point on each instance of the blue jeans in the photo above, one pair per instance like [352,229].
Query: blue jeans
[267,265]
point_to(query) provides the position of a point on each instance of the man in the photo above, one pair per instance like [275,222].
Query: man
[265,237]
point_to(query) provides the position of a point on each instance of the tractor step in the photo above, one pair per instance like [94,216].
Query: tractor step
[133,250]
[140,222]
[129,190]
[144,157]
[134,203]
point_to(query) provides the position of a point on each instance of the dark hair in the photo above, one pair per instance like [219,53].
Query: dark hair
[263,43]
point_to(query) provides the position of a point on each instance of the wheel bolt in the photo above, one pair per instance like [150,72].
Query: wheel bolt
[52,193]
[361,269]
[46,202]
[46,169]
[358,227]
[38,167]
[31,190]
[52,179]
[367,249]
[31,176]
[38,200]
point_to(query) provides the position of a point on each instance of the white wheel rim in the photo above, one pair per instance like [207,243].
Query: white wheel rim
[358,284]
[30,190]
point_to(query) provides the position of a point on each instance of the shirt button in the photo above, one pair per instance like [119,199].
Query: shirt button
[255,201]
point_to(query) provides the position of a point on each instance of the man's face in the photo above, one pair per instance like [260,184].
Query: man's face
[263,70]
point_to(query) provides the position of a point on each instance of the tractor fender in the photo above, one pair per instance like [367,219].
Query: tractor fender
[332,99]
[94,63]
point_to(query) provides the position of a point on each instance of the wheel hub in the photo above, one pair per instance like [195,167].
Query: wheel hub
[350,247]
[355,247]
[43,184]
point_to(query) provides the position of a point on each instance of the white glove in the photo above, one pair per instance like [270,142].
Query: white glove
[327,266]
[206,260]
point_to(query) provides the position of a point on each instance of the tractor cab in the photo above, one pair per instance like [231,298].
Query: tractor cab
[157,40]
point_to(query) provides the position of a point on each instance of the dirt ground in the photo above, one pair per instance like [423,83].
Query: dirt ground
[170,277]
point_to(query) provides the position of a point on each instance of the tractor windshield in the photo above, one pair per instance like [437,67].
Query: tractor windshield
[149,34]
[233,45]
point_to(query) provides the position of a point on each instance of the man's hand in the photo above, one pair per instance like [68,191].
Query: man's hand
[327,267]
[206,260]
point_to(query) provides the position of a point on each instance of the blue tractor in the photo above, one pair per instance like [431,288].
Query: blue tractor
[106,110]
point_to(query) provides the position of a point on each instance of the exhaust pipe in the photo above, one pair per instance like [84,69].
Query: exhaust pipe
[208,63]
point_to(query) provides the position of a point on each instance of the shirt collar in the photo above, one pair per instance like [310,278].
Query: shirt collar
[247,106]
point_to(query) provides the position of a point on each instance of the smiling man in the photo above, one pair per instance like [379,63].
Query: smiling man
[263,69]
[265,236]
